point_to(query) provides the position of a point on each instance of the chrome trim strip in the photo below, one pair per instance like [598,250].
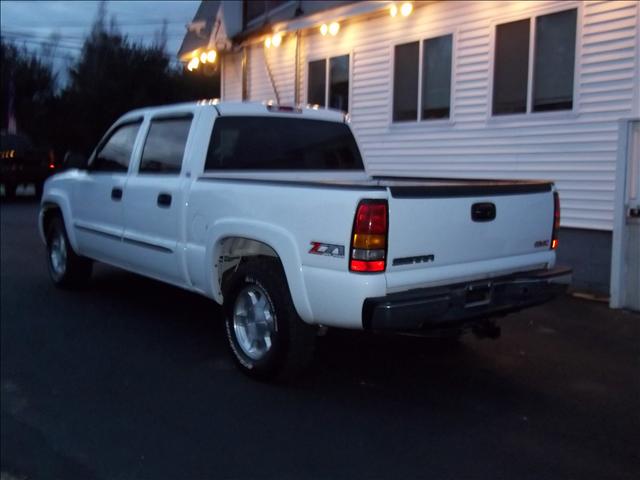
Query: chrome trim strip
[132,241]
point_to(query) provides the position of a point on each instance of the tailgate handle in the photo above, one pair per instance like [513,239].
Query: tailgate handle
[483,212]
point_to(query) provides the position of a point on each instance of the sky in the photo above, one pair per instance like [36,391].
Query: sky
[31,23]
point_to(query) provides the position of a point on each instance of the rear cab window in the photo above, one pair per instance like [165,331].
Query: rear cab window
[281,143]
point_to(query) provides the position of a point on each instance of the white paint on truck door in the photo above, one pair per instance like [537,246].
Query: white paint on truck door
[625,264]
[155,200]
[152,210]
[98,193]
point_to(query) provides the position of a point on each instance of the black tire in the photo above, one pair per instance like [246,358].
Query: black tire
[67,270]
[292,340]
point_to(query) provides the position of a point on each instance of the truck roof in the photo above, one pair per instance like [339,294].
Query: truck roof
[246,108]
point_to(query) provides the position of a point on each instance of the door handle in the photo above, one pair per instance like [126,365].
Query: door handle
[164,200]
[116,194]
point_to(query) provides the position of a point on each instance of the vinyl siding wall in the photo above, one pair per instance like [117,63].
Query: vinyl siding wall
[576,149]
[232,77]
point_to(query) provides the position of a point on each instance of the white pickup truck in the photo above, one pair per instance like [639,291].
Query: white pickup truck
[268,211]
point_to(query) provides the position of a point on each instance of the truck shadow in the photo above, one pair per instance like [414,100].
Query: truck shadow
[191,327]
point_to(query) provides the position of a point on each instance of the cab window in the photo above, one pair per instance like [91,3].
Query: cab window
[280,143]
[114,154]
[164,147]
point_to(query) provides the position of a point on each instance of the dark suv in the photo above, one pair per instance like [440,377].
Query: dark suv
[21,164]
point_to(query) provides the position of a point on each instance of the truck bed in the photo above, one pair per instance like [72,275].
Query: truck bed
[398,186]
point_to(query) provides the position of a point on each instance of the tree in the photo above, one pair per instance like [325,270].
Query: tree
[114,75]
[29,85]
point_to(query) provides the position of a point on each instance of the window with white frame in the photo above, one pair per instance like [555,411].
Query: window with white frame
[549,87]
[328,82]
[422,93]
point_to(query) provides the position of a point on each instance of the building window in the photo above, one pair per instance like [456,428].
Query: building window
[339,83]
[328,83]
[553,52]
[436,77]
[510,72]
[253,9]
[405,82]
[317,82]
[422,93]
[554,61]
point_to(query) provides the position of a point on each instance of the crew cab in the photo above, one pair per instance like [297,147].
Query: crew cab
[268,210]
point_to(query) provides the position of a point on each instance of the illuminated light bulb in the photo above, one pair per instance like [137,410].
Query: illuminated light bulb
[211,56]
[276,40]
[393,10]
[334,28]
[193,64]
[267,42]
[406,9]
[324,29]
[203,57]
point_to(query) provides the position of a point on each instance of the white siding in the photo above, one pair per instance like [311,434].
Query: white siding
[232,77]
[281,60]
[575,149]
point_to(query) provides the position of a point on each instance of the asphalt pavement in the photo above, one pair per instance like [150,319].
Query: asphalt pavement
[130,379]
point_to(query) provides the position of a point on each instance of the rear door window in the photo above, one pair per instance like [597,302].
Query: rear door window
[164,147]
[278,143]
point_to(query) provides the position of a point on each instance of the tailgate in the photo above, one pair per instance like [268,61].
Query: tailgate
[442,225]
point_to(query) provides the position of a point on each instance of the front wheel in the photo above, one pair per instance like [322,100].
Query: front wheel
[267,338]
[66,269]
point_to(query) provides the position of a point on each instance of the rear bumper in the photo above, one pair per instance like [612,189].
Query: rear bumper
[457,306]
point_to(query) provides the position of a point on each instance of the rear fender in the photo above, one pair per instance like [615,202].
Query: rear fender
[279,239]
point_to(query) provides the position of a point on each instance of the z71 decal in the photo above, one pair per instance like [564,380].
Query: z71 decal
[327,249]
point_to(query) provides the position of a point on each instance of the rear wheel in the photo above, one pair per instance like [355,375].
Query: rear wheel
[267,338]
[66,269]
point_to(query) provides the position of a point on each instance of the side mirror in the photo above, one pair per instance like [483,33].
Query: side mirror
[74,160]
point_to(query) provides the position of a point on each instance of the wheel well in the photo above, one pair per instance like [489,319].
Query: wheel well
[233,251]
[50,211]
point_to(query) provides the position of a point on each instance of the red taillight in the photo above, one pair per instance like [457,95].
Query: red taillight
[369,238]
[556,221]
[362,266]
[52,160]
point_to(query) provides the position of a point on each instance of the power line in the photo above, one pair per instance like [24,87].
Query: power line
[73,37]
[46,38]
[88,25]
[43,43]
